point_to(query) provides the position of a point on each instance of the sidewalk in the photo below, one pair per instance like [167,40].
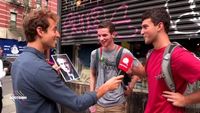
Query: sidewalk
[8,104]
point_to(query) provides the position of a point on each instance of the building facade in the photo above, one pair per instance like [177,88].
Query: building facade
[12,13]
[79,19]
[11,19]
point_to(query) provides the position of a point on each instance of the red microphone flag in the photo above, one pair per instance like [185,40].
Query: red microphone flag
[125,62]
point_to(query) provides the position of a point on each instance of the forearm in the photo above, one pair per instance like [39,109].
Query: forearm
[110,85]
[133,81]
[92,81]
[139,70]
[92,85]
[192,98]
[102,90]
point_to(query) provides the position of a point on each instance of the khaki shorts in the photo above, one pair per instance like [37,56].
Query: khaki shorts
[121,108]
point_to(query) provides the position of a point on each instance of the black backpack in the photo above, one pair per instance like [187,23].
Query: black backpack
[126,78]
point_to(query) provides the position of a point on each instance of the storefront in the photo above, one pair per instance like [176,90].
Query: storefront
[79,22]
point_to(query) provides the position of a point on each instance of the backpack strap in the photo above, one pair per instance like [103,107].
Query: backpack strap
[166,66]
[119,55]
[149,54]
[120,49]
[147,57]
[97,58]
[99,52]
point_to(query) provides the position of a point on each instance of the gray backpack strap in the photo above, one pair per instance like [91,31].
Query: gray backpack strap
[166,66]
[149,54]
[147,57]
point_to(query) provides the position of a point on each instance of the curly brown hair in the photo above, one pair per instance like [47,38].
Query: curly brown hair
[37,18]
[158,15]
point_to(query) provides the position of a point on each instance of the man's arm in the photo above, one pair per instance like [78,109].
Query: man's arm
[131,85]
[93,66]
[187,66]
[134,79]
[110,85]
[138,69]
[48,84]
[92,79]
[180,100]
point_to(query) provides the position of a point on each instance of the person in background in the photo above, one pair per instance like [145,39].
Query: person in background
[36,85]
[2,74]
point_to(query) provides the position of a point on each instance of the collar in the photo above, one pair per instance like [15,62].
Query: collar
[34,51]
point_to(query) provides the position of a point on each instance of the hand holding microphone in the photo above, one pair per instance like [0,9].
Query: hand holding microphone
[124,65]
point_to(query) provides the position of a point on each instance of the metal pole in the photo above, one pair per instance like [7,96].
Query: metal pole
[58,48]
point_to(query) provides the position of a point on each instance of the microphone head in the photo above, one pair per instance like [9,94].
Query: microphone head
[125,62]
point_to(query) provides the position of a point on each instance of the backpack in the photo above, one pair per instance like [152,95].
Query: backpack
[168,77]
[99,58]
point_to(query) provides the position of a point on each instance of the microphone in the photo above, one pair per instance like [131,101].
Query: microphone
[124,65]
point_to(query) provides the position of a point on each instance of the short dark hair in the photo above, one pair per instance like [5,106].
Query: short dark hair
[107,24]
[37,18]
[158,15]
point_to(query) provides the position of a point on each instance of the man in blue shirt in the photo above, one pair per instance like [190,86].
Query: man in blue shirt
[36,85]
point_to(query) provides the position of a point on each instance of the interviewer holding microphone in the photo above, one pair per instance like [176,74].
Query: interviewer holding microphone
[36,85]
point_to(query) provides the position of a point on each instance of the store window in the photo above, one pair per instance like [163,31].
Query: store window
[13,19]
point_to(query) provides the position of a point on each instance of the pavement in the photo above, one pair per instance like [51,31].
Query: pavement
[8,103]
